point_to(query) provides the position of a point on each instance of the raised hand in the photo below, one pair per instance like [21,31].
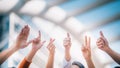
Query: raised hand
[36,43]
[86,49]
[67,45]
[67,42]
[21,41]
[51,46]
[102,42]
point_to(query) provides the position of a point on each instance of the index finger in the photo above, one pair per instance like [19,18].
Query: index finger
[39,36]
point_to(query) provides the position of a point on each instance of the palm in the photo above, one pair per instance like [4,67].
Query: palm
[37,44]
[22,37]
[67,42]
[86,50]
[102,43]
[51,46]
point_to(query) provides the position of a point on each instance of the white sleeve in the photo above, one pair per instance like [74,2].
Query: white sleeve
[66,64]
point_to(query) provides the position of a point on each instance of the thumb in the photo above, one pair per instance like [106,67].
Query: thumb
[101,34]
[43,43]
[68,35]
[29,42]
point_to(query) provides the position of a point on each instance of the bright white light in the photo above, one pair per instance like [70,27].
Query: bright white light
[32,65]
[33,7]
[59,34]
[73,24]
[6,5]
[44,25]
[56,14]
[15,57]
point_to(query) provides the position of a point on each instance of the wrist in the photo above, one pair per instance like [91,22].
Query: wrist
[88,58]
[15,48]
[30,55]
[67,50]
[107,49]
[51,54]
[34,50]
[12,49]
[68,58]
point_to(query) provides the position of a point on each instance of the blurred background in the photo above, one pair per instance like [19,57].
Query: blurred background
[54,18]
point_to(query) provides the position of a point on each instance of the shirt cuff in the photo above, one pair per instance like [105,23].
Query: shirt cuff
[66,64]
[24,64]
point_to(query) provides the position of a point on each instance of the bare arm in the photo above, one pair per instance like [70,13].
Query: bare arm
[86,50]
[36,45]
[102,44]
[67,45]
[5,54]
[25,63]
[20,43]
[90,63]
[115,56]
[51,48]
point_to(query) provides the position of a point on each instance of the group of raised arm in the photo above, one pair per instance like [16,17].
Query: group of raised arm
[36,45]
[21,42]
[86,50]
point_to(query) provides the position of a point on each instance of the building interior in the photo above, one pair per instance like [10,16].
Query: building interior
[54,18]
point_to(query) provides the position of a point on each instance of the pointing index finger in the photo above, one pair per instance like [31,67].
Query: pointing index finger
[39,36]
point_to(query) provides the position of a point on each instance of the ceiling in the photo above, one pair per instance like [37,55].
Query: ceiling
[54,18]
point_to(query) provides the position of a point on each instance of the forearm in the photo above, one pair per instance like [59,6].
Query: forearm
[114,55]
[5,54]
[67,55]
[90,63]
[30,55]
[50,63]
[27,60]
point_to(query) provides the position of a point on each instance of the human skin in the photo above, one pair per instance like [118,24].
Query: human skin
[86,51]
[51,49]
[103,44]
[67,46]
[21,42]
[36,45]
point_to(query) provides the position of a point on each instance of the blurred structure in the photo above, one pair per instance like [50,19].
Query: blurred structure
[56,17]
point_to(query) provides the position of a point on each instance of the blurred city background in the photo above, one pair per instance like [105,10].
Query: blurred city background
[54,18]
